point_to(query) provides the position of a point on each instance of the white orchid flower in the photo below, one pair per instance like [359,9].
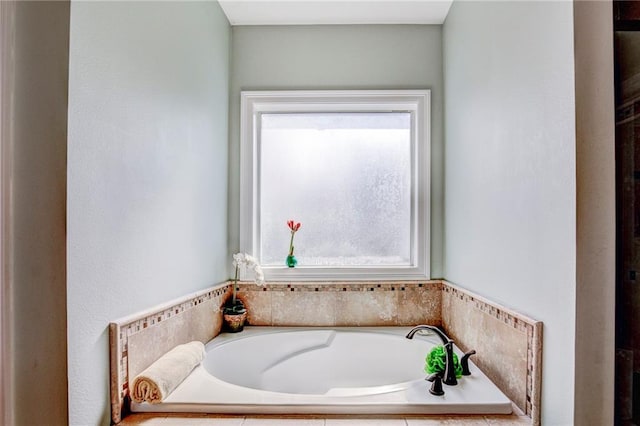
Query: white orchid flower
[247,261]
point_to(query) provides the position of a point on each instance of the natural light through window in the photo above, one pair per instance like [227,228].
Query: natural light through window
[346,177]
[350,168]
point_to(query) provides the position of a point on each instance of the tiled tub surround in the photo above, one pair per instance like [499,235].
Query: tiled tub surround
[135,342]
[499,335]
[343,304]
[508,345]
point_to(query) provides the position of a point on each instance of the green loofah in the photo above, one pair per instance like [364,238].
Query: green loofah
[436,361]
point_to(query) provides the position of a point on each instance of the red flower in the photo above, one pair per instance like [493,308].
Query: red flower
[293,226]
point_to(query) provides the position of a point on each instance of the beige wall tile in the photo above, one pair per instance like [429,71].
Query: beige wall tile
[366,308]
[303,308]
[150,344]
[258,303]
[420,305]
[204,322]
[501,349]
[199,323]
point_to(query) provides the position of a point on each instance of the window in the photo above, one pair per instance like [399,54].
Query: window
[352,167]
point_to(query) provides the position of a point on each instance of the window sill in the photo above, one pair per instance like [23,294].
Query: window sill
[317,274]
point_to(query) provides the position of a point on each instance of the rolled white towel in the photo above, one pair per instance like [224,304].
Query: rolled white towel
[155,383]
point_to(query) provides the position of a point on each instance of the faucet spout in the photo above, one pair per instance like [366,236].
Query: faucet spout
[432,328]
[450,369]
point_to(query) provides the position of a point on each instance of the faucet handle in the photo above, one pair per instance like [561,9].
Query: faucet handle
[464,362]
[436,387]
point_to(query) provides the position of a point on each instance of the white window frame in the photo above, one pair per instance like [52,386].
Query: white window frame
[416,102]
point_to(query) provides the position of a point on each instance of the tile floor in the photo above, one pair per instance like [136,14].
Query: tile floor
[214,420]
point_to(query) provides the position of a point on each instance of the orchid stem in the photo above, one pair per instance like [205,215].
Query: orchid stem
[235,284]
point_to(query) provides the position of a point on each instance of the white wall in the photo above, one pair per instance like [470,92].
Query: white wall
[34,136]
[510,208]
[147,171]
[339,57]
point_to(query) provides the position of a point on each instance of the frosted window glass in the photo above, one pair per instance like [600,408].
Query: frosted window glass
[347,178]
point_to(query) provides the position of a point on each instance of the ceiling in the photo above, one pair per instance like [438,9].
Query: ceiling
[326,12]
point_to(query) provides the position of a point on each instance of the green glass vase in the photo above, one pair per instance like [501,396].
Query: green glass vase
[291,261]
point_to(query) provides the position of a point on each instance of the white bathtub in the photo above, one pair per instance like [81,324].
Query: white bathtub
[365,370]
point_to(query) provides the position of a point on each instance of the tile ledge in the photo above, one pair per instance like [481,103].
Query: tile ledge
[164,306]
[499,306]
